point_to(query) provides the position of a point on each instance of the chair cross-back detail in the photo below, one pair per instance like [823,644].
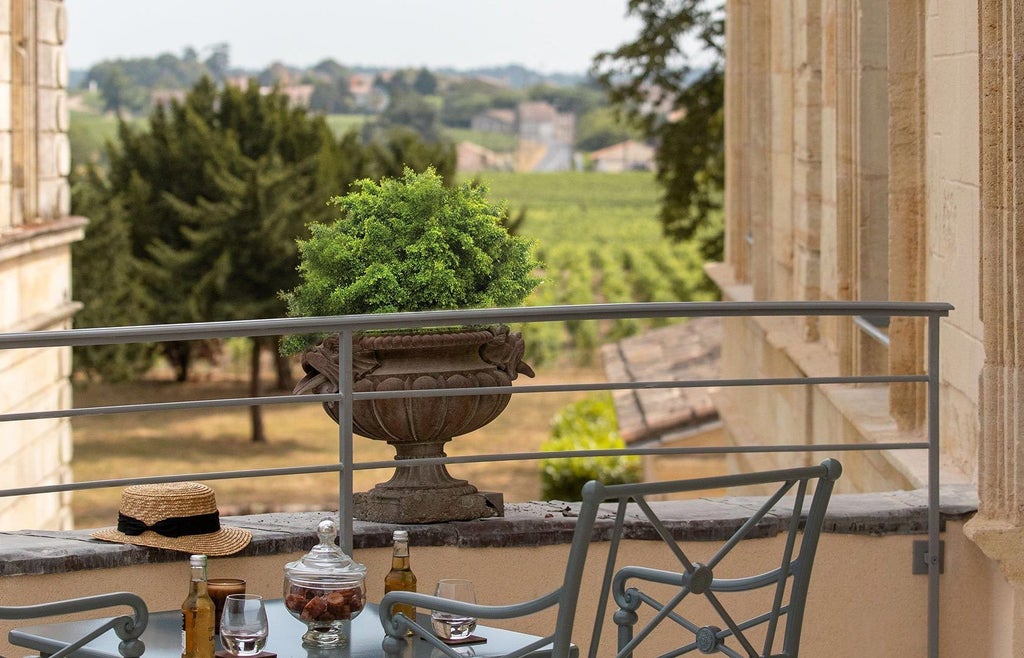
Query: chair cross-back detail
[697,579]
[690,579]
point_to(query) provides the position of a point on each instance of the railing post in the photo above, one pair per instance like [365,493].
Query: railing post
[345,456]
[933,486]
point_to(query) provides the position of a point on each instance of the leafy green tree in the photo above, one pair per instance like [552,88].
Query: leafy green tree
[125,84]
[120,93]
[332,97]
[394,149]
[465,99]
[167,158]
[110,289]
[215,190]
[575,99]
[240,246]
[218,61]
[603,127]
[679,103]
[409,109]
[331,70]
[425,83]
[218,188]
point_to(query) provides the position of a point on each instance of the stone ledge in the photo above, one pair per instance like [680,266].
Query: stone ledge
[524,524]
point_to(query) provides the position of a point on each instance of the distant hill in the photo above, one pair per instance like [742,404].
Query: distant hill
[514,76]
[518,76]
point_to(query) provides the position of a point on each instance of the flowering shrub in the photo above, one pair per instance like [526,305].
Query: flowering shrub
[589,424]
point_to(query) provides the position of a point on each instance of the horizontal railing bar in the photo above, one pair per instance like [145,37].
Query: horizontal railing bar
[452,392]
[144,407]
[693,450]
[182,477]
[616,386]
[466,459]
[512,315]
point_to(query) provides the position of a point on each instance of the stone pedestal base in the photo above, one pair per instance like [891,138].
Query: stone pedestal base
[394,505]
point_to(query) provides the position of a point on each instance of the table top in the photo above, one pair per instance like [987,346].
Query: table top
[163,638]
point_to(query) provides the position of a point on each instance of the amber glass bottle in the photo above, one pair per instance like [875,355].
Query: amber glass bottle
[197,614]
[401,578]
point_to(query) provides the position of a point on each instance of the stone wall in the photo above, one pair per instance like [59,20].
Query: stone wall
[35,260]
[950,227]
[853,175]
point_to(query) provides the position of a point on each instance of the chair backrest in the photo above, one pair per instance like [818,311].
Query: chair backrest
[790,579]
[693,578]
[128,628]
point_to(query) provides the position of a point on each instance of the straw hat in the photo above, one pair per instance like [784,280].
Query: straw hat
[180,516]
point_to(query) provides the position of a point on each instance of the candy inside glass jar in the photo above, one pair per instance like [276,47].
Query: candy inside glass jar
[325,590]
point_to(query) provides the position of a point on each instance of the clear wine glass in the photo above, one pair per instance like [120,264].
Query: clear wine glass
[448,625]
[243,625]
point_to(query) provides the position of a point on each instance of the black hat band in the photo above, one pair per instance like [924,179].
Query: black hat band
[175,526]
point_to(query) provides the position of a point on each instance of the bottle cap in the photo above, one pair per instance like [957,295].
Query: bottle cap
[197,561]
[400,535]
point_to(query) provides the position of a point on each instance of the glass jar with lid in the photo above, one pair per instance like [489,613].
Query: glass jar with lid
[325,589]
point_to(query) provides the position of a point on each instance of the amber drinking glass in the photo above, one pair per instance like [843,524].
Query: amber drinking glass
[219,588]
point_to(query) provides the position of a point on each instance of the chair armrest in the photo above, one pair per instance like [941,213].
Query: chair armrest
[431,602]
[82,604]
[128,628]
[396,625]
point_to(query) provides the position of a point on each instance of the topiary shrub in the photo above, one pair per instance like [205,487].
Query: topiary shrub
[589,424]
[410,244]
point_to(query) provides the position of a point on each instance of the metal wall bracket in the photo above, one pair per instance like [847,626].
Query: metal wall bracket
[920,565]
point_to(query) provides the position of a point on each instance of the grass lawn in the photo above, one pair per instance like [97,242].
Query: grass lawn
[162,443]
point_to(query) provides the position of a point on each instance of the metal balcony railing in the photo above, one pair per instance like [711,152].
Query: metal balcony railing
[346,326]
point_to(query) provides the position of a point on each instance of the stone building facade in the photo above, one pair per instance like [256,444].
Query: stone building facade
[872,151]
[36,233]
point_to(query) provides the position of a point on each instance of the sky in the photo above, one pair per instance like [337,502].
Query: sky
[550,36]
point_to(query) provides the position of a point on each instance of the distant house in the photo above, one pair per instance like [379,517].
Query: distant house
[546,136]
[298,95]
[366,94]
[360,85]
[166,96]
[494,121]
[472,158]
[629,155]
[539,121]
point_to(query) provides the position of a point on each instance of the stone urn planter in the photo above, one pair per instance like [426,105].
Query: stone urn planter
[420,427]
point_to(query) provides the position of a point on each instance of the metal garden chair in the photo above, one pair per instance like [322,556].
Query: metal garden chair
[790,579]
[127,627]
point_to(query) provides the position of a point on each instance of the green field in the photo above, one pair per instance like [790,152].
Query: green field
[88,133]
[587,207]
[600,240]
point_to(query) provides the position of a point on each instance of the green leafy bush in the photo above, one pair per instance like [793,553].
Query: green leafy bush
[589,424]
[410,244]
